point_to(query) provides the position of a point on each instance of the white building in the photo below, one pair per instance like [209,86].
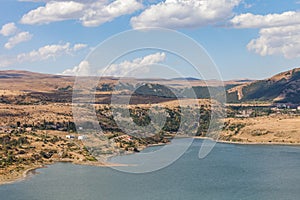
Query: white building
[28,129]
[81,137]
[70,136]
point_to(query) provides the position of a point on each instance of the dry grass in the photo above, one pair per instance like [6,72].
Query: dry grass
[272,129]
[10,114]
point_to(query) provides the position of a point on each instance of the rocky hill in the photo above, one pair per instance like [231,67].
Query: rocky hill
[281,88]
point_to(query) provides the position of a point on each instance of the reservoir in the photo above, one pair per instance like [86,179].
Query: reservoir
[230,171]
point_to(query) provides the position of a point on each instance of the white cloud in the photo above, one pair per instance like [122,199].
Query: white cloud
[78,47]
[83,69]
[90,13]
[126,68]
[250,20]
[185,13]
[8,29]
[277,40]
[39,0]
[48,51]
[53,11]
[279,33]
[17,39]
[99,13]
[43,53]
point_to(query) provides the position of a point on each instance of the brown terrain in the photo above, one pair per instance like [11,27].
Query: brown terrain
[37,120]
[281,88]
[273,129]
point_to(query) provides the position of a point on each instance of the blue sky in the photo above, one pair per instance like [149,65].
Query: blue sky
[55,36]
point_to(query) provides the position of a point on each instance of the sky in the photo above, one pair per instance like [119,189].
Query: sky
[252,39]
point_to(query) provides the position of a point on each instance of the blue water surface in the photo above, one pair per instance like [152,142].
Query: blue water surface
[230,171]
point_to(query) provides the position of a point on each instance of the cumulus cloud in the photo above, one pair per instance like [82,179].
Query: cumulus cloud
[126,68]
[78,47]
[43,53]
[48,51]
[17,39]
[90,13]
[53,11]
[279,33]
[99,13]
[249,20]
[277,40]
[39,0]
[8,29]
[185,13]
[83,69]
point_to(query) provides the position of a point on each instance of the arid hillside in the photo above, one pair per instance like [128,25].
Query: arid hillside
[23,87]
[281,88]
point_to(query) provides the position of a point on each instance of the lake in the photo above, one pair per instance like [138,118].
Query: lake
[230,172]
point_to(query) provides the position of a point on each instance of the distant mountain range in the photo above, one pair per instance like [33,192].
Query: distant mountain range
[281,88]
[186,79]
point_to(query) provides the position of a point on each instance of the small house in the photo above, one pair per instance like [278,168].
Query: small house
[28,129]
[70,136]
[81,137]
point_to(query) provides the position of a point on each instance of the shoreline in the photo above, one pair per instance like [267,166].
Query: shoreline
[27,173]
[240,142]
[23,175]
[248,143]
[32,170]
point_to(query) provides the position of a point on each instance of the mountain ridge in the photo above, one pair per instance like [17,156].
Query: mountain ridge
[283,87]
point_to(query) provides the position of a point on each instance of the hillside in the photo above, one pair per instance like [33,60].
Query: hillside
[29,87]
[24,87]
[26,81]
[281,88]
[37,118]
